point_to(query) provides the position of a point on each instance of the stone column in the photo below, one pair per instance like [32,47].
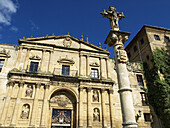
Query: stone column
[111,108]
[42,59]
[19,56]
[26,59]
[49,62]
[45,106]
[89,109]
[117,39]
[81,119]
[87,66]
[18,102]
[104,121]
[6,105]
[100,59]
[107,72]
[80,59]
[35,106]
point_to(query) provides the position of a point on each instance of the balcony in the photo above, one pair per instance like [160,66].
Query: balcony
[69,73]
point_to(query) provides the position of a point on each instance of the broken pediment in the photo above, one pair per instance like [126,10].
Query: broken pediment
[65,60]
[35,58]
[4,53]
[95,64]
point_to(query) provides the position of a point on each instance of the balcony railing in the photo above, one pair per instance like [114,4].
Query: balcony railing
[59,72]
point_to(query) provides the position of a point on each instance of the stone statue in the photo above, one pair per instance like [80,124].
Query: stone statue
[114,17]
[25,111]
[95,96]
[29,92]
[96,115]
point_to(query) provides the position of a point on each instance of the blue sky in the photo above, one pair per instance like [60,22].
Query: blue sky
[39,17]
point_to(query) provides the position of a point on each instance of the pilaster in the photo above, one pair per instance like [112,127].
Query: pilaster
[81,119]
[89,109]
[104,121]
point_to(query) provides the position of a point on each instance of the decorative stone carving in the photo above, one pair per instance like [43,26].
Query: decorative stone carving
[67,42]
[25,111]
[62,100]
[35,57]
[29,91]
[4,53]
[96,115]
[113,16]
[134,67]
[121,54]
[66,60]
[95,64]
[95,96]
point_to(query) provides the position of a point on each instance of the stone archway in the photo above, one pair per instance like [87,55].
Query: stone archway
[63,106]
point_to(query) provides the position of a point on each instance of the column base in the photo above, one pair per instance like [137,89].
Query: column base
[80,126]
[89,126]
[130,125]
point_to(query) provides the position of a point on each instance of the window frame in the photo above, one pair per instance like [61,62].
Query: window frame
[142,41]
[65,71]
[156,37]
[2,64]
[144,99]
[166,39]
[138,80]
[147,117]
[135,48]
[94,73]
[33,67]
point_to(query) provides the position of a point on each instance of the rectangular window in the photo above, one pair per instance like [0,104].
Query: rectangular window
[65,70]
[156,37]
[167,39]
[94,73]
[144,99]
[147,117]
[140,80]
[134,48]
[142,41]
[1,64]
[34,66]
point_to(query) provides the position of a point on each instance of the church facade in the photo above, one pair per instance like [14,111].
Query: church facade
[65,82]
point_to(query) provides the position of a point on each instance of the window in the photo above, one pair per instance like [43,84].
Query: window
[129,55]
[34,66]
[156,37]
[144,99]
[142,41]
[94,73]
[140,80]
[65,70]
[147,117]
[167,39]
[147,57]
[1,64]
[135,48]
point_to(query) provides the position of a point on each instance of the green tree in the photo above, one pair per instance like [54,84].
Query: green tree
[158,84]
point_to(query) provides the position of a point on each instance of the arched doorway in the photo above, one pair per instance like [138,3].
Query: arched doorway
[63,105]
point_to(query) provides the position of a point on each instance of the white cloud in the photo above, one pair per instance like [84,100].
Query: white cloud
[13,28]
[7,8]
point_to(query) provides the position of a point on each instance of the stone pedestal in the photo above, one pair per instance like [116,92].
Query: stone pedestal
[117,39]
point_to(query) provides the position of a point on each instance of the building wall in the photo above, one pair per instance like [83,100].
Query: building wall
[29,98]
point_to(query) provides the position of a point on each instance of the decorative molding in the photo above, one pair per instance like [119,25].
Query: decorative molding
[66,60]
[95,64]
[67,42]
[35,58]
[62,100]
[4,53]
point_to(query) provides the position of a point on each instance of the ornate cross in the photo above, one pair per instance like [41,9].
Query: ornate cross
[114,17]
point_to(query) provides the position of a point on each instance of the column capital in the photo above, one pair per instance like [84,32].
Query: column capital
[47,86]
[89,89]
[81,88]
[10,83]
[111,91]
[103,90]
[38,85]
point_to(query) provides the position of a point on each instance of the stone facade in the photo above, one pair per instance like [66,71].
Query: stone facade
[146,40]
[57,81]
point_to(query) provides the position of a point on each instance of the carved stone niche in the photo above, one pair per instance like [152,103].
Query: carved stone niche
[95,96]
[25,111]
[96,115]
[29,91]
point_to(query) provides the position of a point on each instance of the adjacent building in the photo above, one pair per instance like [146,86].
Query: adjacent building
[148,38]
[62,81]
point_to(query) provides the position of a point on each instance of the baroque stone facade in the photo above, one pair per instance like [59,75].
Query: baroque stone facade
[59,81]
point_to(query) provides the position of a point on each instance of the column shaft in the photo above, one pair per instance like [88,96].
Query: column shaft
[89,111]
[104,109]
[81,119]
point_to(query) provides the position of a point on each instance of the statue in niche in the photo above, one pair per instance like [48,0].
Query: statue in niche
[95,96]
[29,92]
[96,115]
[25,111]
